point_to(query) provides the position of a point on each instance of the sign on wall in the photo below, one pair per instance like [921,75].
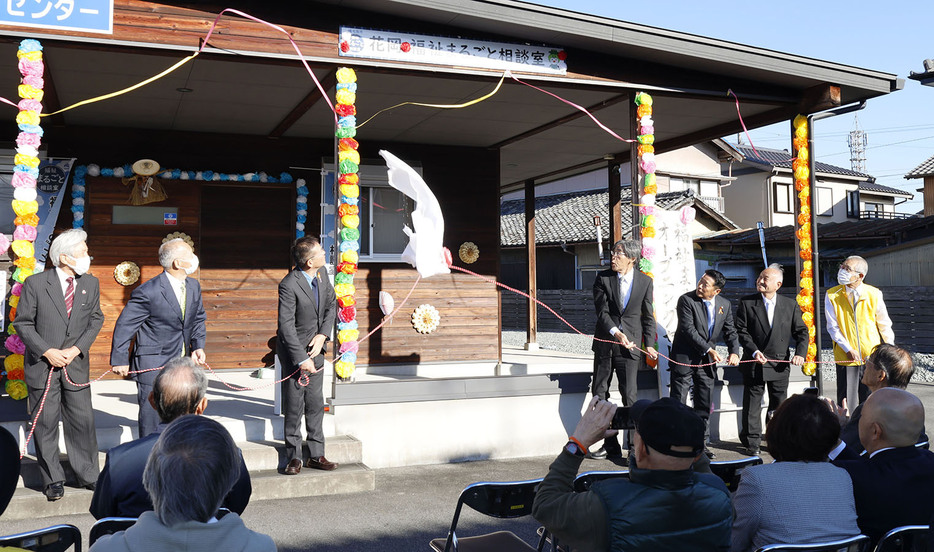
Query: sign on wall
[92,16]
[400,46]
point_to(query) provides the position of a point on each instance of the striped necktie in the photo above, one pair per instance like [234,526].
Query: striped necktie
[69,294]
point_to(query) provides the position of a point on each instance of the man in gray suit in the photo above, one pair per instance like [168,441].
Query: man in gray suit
[167,318]
[58,318]
[307,309]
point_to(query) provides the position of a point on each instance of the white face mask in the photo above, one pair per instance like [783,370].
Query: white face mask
[82,265]
[193,261]
[844,277]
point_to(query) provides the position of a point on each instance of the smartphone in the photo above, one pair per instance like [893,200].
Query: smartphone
[811,391]
[622,419]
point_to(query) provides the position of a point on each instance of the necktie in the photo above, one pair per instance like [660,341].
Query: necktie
[710,318]
[623,291]
[69,294]
[769,311]
[314,288]
[182,300]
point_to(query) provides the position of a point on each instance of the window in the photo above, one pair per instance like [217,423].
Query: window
[704,188]
[784,198]
[824,201]
[852,204]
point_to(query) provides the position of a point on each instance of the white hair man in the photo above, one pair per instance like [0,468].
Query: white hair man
[58,318]
[193,466]
[167,318]
[857,321]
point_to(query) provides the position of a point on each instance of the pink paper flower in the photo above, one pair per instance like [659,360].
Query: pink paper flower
[28,138]
[648,167]
[15,345]
[687,215]
[648,252]
[4,246]
[647,210]
[25,232]
[34,81]
[647,129]
[17,288]
[350,346]
[23,180]
[32,68]
[29,105]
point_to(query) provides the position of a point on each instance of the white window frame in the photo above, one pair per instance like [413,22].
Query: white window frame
[828,212]
[787,189]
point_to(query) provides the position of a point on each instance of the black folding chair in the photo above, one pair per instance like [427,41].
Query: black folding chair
[499,500]
[584,481]
[731,470]
[57,538]
[109,526]
[908,538]
[859,543]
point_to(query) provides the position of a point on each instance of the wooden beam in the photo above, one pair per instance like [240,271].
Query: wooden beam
[532,322]
[819,98]
[725,129]
[558,122]
[329,80]
[50,100]
[616,200]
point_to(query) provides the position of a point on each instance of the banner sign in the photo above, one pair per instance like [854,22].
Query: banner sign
[90,16]
[51,184]
[399,46]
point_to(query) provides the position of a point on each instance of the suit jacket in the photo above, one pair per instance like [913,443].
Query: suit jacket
[120,491]
[792,502]
[755,334]
[301,318]
[154,317]
[893,488]
[691,340]
[637,320]
[43,323]
[149,534]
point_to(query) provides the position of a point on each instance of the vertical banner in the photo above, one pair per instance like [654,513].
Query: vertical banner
[50,187]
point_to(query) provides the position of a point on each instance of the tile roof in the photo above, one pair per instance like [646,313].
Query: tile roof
[783,159]
[880,189]
[851,229]
[568,217]
[922,170]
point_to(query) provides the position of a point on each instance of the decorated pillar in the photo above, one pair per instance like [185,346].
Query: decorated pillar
[805,229]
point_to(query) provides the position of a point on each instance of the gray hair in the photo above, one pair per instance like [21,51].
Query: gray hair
[779,270]
[171,250]
[630,248]
[179,389]
[190,470]
[65,244]
[859,264]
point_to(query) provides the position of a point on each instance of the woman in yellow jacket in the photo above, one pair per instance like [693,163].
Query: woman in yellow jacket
[857,321]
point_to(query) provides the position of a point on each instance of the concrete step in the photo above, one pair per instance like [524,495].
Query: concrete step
[259,456]
[267,484]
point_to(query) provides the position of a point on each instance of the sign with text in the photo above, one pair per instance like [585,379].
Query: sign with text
[91,16]
[399,46]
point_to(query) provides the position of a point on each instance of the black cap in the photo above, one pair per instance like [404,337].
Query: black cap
[667,423]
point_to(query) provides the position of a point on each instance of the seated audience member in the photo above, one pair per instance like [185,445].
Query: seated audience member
[664,505]
[887,366]
[894,482]
[193,465]
[179,389]
[801,497]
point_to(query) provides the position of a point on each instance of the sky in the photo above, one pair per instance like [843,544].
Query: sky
[893,38]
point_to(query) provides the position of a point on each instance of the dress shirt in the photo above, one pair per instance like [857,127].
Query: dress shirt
[625,290]
[880,450]
[769,308]
[63,279]
[883,322]
[177,286]
[311,283]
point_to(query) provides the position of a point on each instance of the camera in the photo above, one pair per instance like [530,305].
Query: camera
[622,419]
[811,391]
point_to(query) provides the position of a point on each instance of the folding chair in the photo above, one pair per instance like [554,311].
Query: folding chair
[908,538]
[499,500]
[109,526]
[731,470]
[57,538]
[584,481]
[859,543]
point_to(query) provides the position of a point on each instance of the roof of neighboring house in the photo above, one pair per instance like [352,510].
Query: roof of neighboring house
[568,218]
[776,158]
[909,228]
[924,169]
[880,189]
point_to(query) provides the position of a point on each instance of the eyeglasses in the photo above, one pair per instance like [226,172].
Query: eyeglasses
[617,253]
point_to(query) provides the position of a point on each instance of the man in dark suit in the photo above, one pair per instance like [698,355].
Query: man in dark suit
[307,309]
[702,317]
[623,300]
[179,389]
[166,317]
[766,323]
[58,318]
[893,482]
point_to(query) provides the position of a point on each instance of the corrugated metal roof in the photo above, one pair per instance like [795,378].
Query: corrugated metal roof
[922,170]
[782,159]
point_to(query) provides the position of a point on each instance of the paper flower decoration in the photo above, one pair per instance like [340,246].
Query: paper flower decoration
[126,273]
[468,252]
[179,236]
[16,389]
[15,345]
[425,319]
[803,221]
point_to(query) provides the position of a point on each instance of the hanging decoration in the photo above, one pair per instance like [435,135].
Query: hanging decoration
[469,252]
[146,187]
[127,273]
[348,163]
[646,150]
[179,236]
[25,173]
[425,319]
[803,227]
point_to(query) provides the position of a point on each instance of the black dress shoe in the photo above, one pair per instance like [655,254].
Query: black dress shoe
[321,463]
[294,467]
[710,454]
[753,451]
[614,455]
[55,491]
[90,486]
[597,454]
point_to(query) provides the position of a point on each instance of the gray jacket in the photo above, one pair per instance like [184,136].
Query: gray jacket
[148,534]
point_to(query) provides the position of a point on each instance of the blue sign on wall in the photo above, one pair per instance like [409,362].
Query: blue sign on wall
[92,16]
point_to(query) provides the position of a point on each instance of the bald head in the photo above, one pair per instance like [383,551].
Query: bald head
[769,281]
[891,418]
[179,389]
